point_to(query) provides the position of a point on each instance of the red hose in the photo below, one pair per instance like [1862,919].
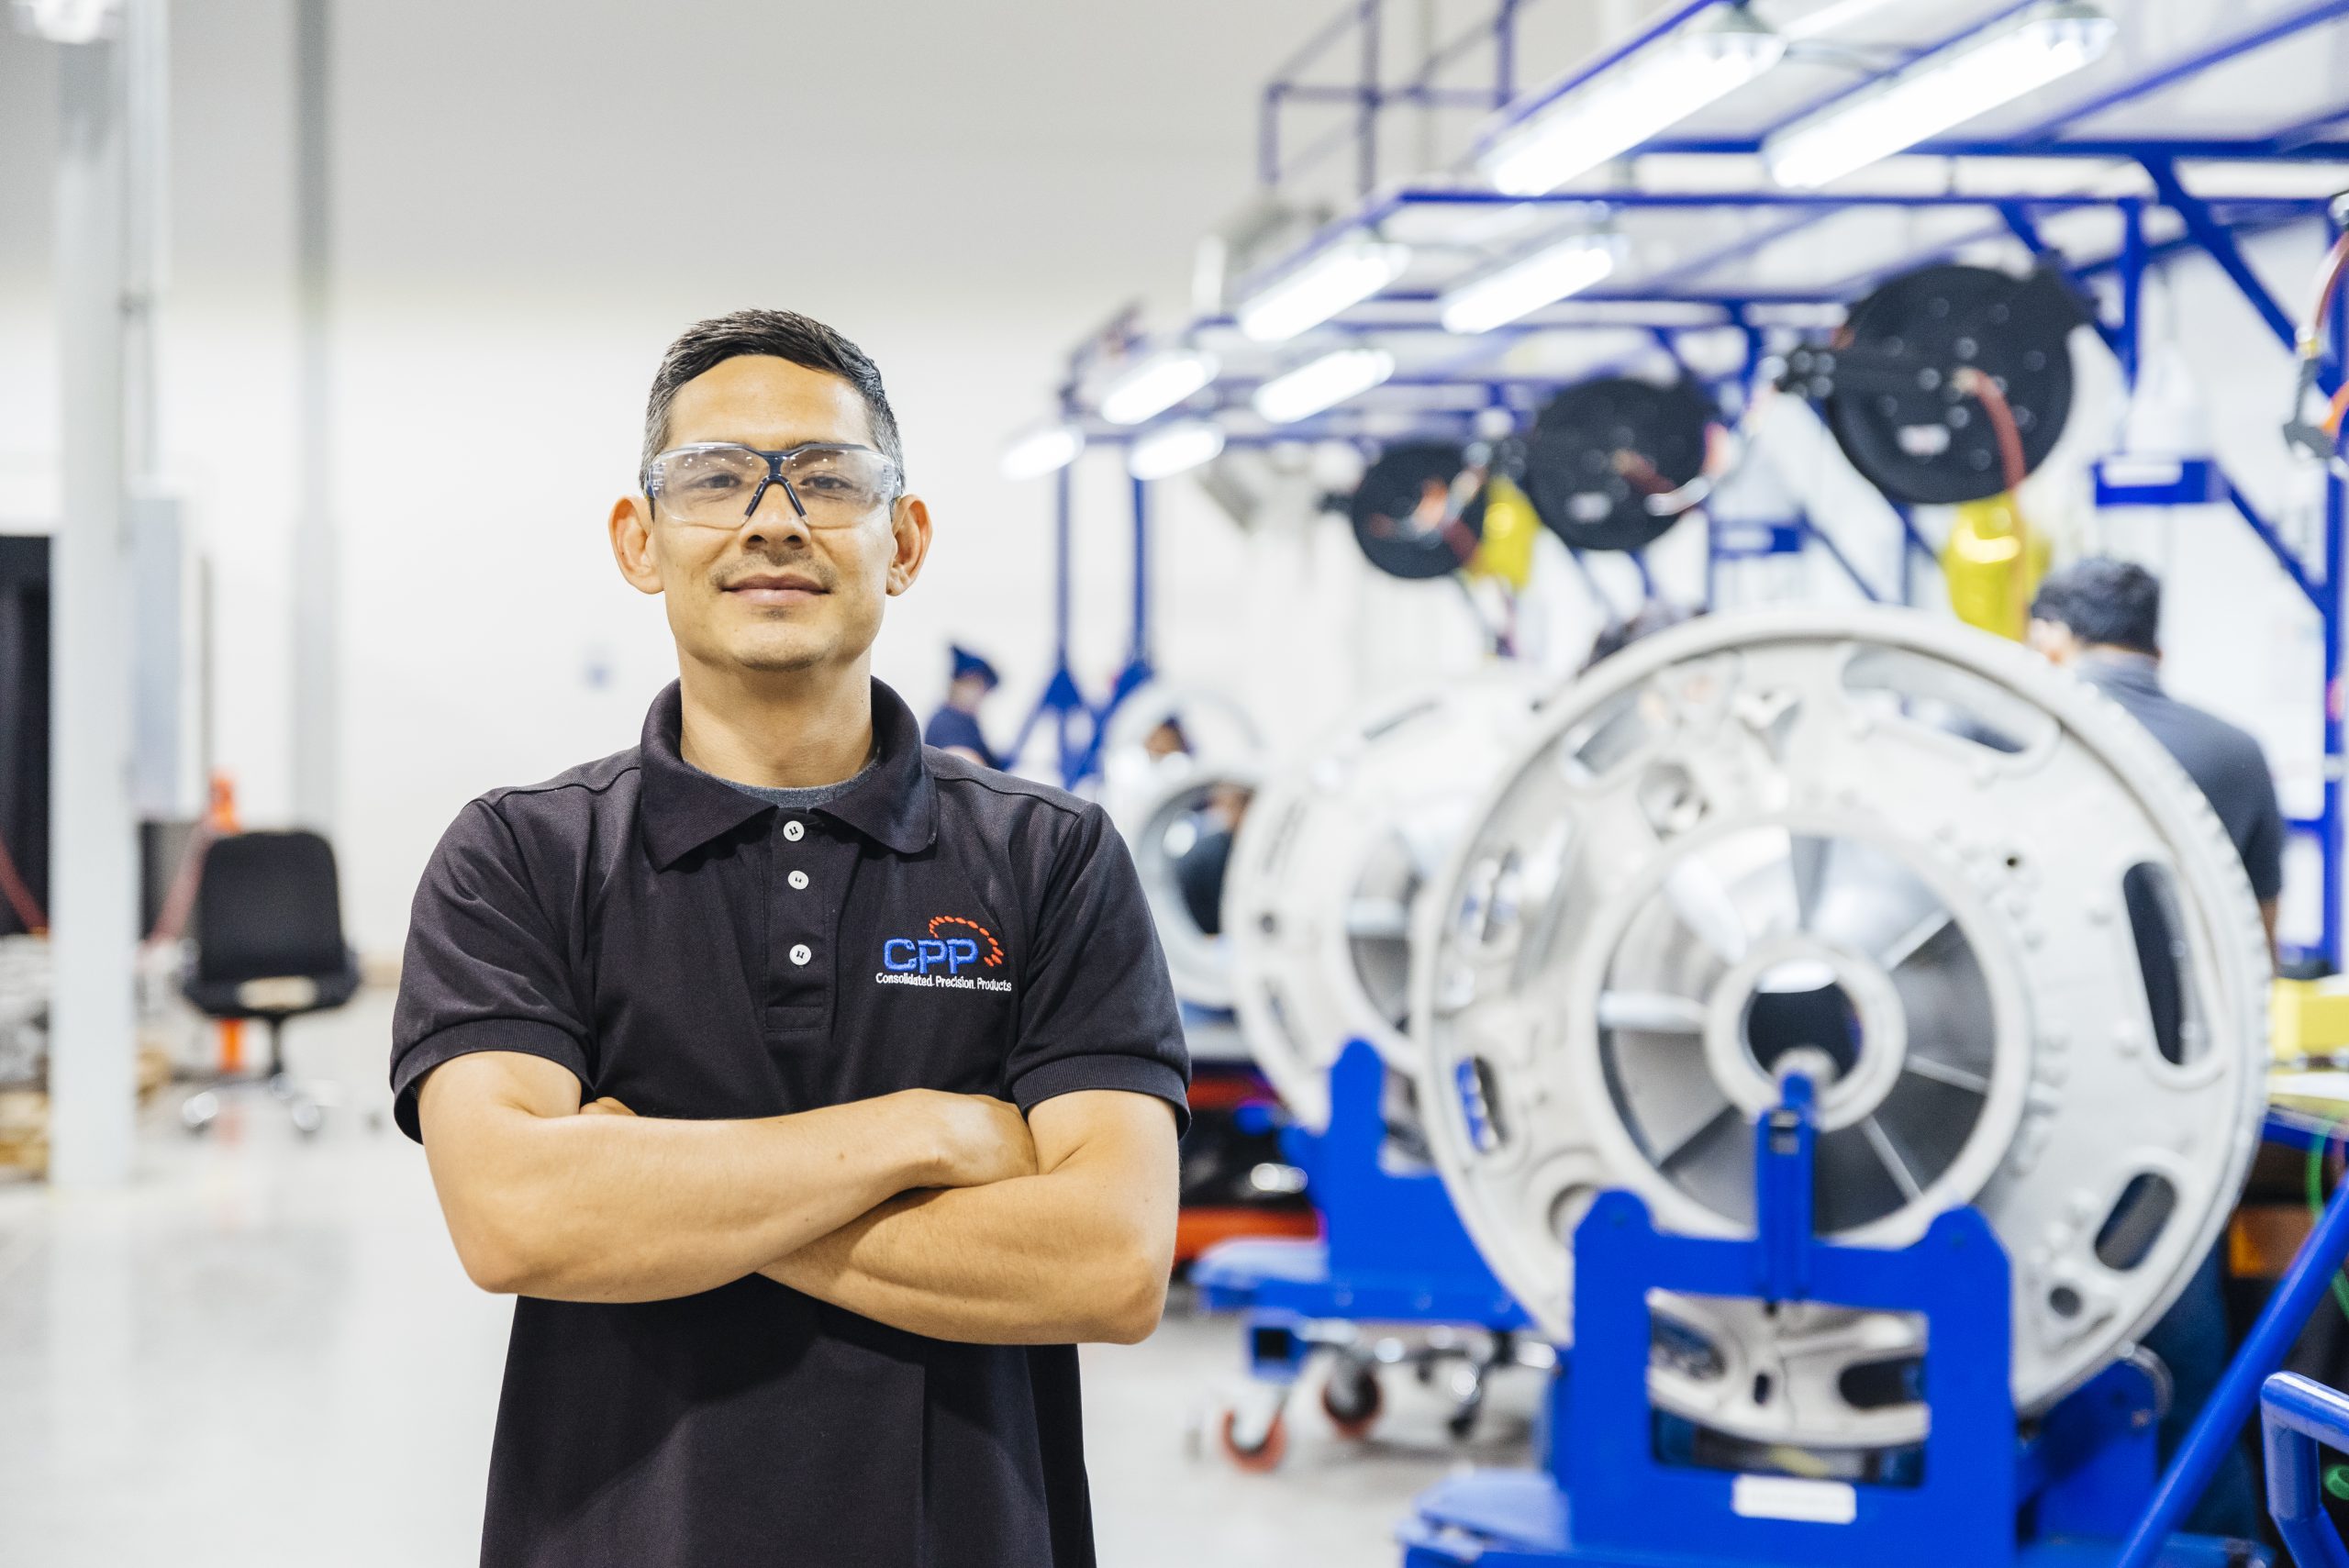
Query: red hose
[29,914]
[2328,283]
[171,918]
[1983,389]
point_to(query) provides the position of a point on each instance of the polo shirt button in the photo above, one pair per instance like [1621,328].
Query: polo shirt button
[797,878]
[801,954]
[795,830]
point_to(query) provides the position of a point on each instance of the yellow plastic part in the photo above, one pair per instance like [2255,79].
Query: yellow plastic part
[2308,1018]
[1511,526]
[1993,564]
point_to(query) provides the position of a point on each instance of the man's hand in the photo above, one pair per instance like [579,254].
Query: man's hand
[980,1139]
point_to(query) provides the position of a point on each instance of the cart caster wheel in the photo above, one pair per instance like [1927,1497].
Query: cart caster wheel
[307,1116]
[1264,1455]
[1352,1400]
[199,1110]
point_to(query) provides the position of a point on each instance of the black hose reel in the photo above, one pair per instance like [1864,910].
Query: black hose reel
[1420,510]
[1613,462]
[1610,464]
[1894,383]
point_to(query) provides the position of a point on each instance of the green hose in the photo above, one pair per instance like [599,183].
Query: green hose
[2323,1141]
[2336,1476]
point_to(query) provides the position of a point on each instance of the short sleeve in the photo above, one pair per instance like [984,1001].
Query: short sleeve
[2262,846]
[485,968]
[1098,1010]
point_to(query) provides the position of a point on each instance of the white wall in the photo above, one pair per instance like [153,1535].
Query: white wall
[531,199]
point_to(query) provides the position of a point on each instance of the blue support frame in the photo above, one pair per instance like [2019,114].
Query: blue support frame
[2302,1288]
[1618,1491]
[2297,1416]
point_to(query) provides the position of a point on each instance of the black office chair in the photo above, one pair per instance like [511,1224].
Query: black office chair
[268,946]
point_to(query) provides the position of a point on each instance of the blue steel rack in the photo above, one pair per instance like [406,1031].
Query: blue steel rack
[1692,295]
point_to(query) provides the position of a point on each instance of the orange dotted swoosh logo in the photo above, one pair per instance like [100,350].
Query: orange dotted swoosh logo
[994,959]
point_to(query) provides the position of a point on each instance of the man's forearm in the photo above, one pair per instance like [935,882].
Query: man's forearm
[619,1208]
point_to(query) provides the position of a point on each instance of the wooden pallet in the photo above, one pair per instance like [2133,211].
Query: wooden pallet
[23,1115]
[24,1130]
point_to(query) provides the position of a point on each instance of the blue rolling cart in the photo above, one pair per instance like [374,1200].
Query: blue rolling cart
[1392,1251]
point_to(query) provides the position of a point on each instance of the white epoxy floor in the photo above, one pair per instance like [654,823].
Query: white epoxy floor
[264,1353]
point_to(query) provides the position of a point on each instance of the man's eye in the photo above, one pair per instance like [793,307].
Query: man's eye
[828,484]
[718,483]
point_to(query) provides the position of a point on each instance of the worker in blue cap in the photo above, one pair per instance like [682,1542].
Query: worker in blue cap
[955,726]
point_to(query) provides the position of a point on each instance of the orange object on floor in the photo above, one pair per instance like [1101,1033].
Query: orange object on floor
[221,817]
[1197,1229]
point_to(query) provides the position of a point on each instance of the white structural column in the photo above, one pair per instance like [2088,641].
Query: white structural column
[94,904]
[317,748]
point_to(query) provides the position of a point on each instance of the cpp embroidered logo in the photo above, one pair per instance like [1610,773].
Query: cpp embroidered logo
[940,958]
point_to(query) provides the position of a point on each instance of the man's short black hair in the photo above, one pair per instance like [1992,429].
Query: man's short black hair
[785,335]
[2116,603]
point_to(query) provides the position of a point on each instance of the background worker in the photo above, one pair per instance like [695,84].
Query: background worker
[814,1091]
[2101,618]
[955,726]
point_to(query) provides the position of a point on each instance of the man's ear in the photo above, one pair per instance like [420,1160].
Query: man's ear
[631,528]
[909,525]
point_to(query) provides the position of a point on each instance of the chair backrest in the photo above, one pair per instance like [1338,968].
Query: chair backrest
[268,905]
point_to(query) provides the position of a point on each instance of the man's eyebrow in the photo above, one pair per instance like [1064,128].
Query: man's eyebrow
[785,446]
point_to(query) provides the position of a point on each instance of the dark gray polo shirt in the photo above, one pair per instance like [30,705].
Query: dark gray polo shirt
[695,951]
[2223,762]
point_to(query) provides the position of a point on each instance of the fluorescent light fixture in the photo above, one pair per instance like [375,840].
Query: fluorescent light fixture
[1344,273]
[1170,450]
[69,21]
[1944,89]
[1322,383]
[1502,294]
[1044,450]
[1627,103]
[1156,384]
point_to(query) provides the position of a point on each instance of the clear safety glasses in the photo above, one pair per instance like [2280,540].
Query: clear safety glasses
[716,484]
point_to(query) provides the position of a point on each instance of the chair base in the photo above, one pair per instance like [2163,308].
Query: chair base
[307,1101]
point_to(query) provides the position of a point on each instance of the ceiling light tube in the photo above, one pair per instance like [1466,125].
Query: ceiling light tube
[1156,384]
[1044,450]
[1340,275]
[1322,383]
[1630,101]
[1516,288]
[1944,89]
[1172,448]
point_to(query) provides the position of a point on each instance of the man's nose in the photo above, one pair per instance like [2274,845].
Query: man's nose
[771,513]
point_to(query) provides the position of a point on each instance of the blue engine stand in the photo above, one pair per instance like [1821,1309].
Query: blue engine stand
[2063,1493]
[1392,1250]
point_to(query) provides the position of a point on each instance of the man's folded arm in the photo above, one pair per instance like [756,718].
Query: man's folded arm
[1080,1251]
[544,1201]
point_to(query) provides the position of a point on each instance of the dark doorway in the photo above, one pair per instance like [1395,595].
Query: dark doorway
[24,716]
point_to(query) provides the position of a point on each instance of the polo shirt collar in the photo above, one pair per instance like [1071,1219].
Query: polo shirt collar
[2123,668]
[895,803]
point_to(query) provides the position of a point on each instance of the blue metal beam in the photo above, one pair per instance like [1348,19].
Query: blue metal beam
[1791,200]
[2286,556]
[2287,142]
[2214,1431]
[2213,237]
